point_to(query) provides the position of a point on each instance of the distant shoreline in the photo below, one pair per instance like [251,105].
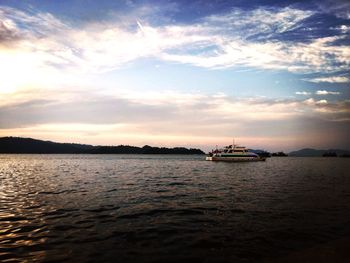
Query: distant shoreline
[18,145]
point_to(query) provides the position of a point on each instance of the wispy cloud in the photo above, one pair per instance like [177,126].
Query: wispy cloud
[325,92]
[259,21]
[305,93]
[319,92]
[16,25]
[155,107]
[334,79]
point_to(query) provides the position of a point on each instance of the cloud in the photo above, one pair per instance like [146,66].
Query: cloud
[319,92]
[317,56]
[303,93]
[338,109]
[343,28]
[43,45]
[168,118]
[339,8]
[325,92]
[101,110]
[334,79]
[259,21]
[312,102]
[163,118]
[7,31]
[321,102]
[173,109]
[18,25]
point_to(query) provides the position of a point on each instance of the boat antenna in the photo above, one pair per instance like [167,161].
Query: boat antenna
[233,142]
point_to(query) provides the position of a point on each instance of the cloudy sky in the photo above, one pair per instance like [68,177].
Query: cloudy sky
[271,74]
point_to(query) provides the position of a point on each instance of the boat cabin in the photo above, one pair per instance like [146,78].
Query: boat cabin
[235,149]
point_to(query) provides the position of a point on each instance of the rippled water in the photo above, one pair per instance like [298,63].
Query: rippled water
[168,208]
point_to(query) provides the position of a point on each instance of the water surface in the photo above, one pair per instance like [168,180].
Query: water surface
[150,208]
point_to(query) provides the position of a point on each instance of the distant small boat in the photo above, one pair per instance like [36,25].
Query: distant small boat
[234,153]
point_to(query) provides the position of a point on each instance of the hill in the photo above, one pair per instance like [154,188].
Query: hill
[308,152]
[29,145]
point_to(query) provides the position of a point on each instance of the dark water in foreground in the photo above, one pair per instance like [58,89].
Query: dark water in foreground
[154,209]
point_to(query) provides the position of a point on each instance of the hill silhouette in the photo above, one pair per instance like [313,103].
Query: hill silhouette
[29,145]
[308,152]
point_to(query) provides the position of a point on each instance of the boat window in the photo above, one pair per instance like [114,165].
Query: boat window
[238,151]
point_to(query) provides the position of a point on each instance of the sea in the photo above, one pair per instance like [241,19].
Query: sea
[168,208]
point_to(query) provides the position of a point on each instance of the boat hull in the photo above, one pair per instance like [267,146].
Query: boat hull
[235,159]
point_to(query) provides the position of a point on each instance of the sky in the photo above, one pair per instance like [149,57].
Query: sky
[271,74]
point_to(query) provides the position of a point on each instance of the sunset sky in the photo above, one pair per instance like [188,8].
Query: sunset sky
[271,74]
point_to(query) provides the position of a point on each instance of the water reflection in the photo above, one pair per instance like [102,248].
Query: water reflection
[142,208]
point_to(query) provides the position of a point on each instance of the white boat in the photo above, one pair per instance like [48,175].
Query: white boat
[234,153]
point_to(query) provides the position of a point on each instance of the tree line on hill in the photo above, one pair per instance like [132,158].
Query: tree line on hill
[28,145]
